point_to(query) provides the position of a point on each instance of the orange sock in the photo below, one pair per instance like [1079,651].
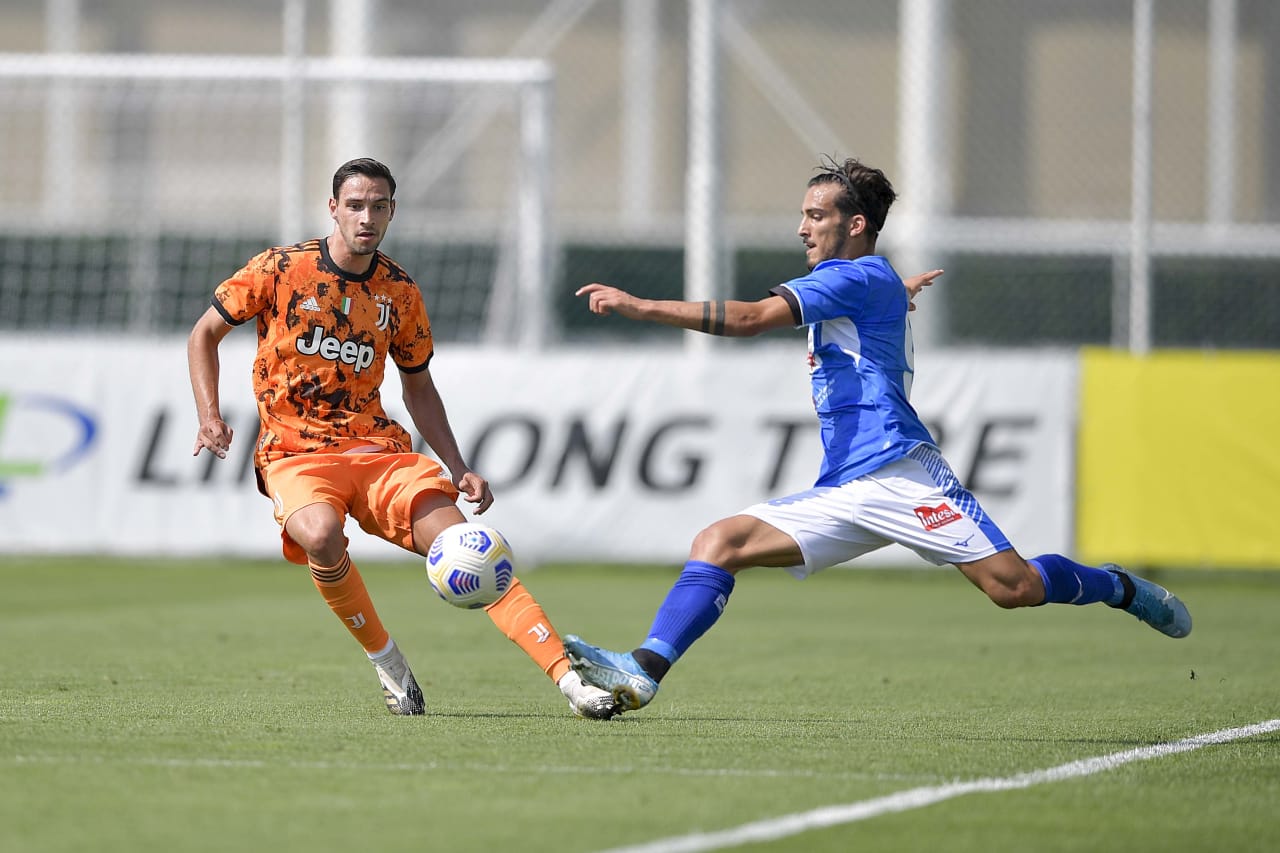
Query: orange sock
[345,593]
[522,619]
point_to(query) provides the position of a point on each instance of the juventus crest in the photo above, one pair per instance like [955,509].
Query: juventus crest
[384,310]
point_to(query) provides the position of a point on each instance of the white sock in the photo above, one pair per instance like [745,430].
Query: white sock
[382,655]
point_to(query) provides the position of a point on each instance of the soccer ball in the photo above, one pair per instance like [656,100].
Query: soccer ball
[470,565]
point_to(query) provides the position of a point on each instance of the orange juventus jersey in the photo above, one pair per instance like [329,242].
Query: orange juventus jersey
[323,340]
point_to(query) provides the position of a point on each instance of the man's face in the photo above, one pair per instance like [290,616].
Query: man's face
[827,233]
[362,211]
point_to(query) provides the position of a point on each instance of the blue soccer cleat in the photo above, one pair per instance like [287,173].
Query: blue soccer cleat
[1152,604]
[618,673]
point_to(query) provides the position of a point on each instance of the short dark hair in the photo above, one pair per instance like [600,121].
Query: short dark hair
[866,189]
[366,166]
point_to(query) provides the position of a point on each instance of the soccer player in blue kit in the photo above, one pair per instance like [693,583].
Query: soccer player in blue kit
[882,478]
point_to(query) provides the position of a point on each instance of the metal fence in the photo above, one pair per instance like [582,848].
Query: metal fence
[1087,172]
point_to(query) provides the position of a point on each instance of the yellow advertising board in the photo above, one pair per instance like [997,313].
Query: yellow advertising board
[1179,459]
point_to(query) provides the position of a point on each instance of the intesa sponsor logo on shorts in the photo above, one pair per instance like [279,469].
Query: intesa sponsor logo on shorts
[933,517]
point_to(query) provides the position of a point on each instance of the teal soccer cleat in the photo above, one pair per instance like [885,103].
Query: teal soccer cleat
[618,673]
[1152,604]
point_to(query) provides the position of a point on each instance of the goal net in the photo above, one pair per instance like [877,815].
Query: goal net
[138,183]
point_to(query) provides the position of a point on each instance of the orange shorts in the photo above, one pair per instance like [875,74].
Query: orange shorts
[376,489]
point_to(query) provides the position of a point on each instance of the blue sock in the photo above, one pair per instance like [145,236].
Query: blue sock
[692,606]
[1068,582]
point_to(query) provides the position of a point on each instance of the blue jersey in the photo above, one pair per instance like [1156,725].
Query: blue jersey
[860,364]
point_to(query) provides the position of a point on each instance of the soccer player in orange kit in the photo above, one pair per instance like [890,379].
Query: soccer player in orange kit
[329,312]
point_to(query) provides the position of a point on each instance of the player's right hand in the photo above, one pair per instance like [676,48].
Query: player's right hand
[604,300]
[215,436]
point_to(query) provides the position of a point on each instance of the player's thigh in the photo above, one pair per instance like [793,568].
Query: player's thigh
[918,502]
[820,523]
[299,481]
[432,512]
[743,541]
[396,488]
[310,495]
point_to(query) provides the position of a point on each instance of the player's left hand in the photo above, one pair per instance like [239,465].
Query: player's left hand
[917,283]
[475,489]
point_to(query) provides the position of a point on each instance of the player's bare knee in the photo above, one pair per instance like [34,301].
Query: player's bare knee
[713,545]
[1002,598]
[320,536]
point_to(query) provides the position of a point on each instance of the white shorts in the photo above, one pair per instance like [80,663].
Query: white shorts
[916,501]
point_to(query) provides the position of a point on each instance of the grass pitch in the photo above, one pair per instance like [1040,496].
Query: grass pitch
[211,706]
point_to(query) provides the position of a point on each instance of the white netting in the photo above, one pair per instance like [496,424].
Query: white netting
[146,182]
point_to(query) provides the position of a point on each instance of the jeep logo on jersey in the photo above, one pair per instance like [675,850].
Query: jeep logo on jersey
[933,517]
[316,342]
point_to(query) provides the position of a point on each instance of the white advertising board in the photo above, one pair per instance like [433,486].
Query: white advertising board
[609,455]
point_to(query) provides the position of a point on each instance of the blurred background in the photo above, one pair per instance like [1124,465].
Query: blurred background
[1100,179]
[1088,172]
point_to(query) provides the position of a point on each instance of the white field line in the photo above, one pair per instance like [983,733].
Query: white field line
[915,798]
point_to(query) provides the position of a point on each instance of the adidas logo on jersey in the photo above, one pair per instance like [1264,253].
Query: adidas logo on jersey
[310,304]
[933,517]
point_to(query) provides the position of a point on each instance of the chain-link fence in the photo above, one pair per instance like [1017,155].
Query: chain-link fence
[1026,138]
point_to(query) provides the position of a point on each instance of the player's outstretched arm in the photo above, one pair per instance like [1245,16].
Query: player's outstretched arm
[214,434]
[731,317]
[917,283]
[426,408]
